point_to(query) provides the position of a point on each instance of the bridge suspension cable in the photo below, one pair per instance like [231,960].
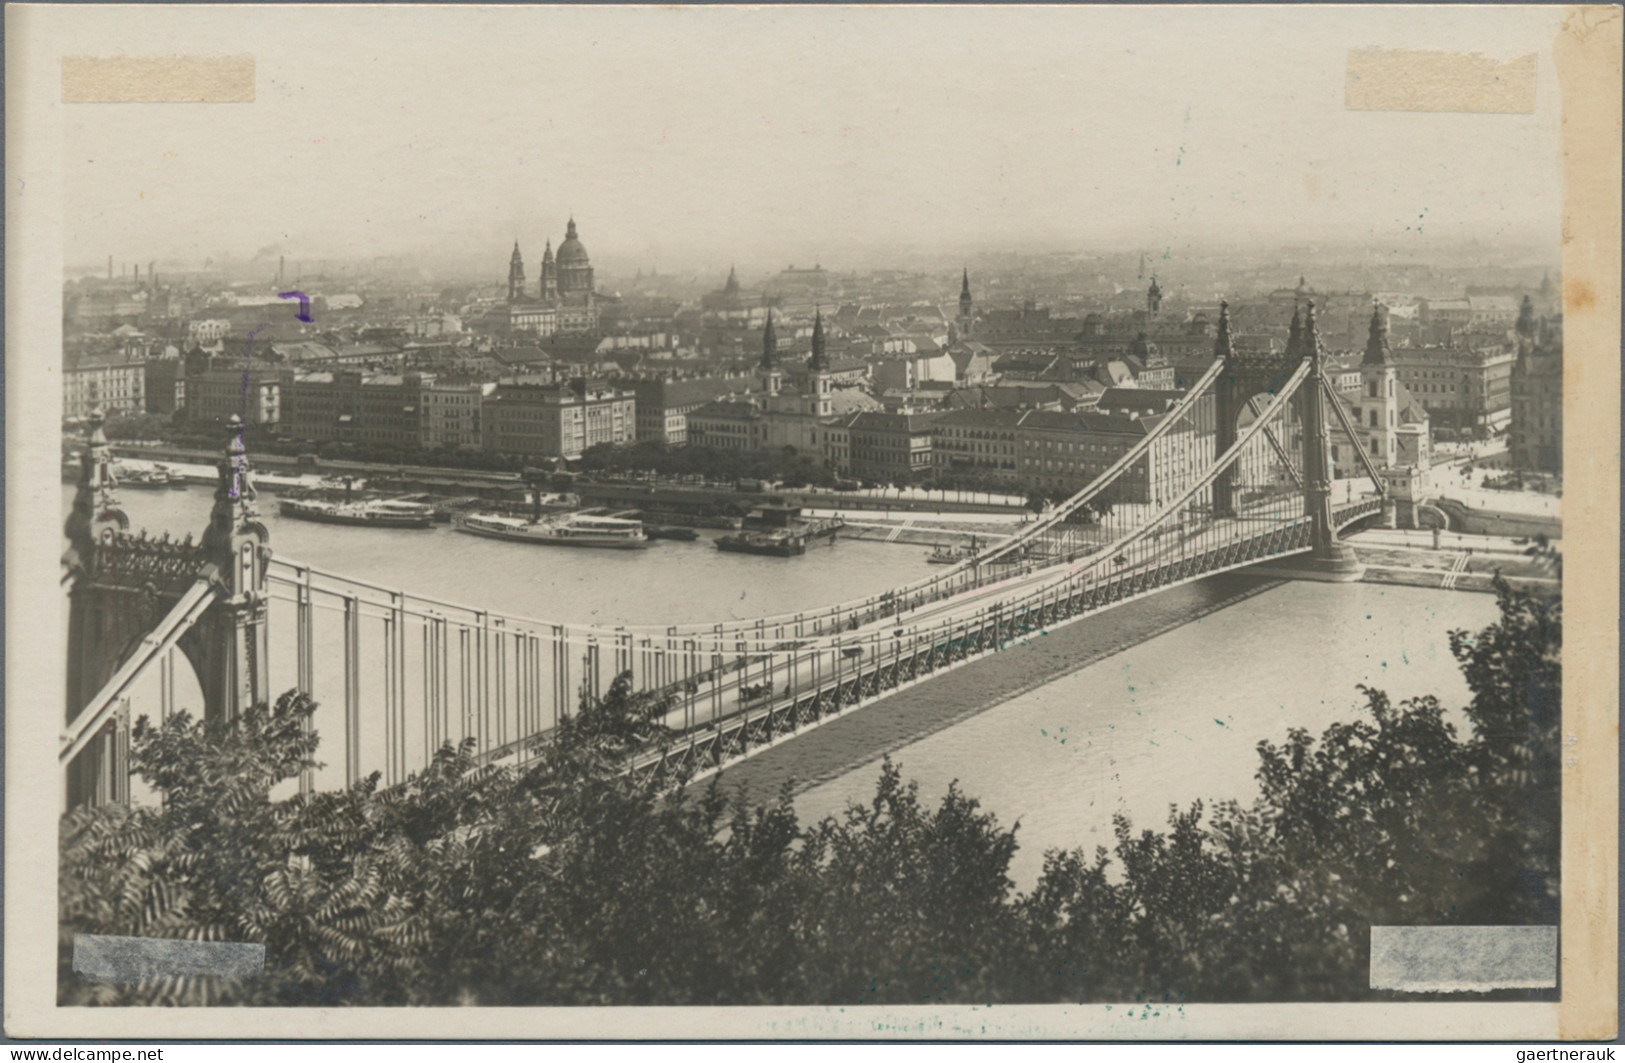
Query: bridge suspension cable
[1181,409]
[1336,404]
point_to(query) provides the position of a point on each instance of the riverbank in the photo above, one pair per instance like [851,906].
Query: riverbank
[1453,562]
[849,742]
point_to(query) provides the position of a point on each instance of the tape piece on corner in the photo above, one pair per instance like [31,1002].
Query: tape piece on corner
[158,79]
[123,960]
[1397,79]
[1463,959]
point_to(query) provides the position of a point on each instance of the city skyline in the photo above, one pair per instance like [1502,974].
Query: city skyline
[832,135]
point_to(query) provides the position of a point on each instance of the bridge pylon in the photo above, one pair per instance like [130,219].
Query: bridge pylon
[1330,559]
[122,587]
[228,646]
[1249,375]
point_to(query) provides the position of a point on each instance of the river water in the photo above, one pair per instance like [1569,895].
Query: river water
[1178,717]
[1146,720]
[670,582]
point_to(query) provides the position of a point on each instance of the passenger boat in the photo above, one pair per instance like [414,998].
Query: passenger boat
[391,513]
[575,529]
[281,481]
[145,479]
[953,555]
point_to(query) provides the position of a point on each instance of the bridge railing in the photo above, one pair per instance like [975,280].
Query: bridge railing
[886,661]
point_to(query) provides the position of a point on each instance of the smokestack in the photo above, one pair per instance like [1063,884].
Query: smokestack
[138,273]
[152,273]
[109,267]
[281,268]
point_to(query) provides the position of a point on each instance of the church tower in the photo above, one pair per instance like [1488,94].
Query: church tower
[966,307]
[1379,399]
[516,275]
[770,357]
[550,273]
[818,369]
[1153,299]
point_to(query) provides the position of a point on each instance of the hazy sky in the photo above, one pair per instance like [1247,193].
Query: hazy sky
[689,138]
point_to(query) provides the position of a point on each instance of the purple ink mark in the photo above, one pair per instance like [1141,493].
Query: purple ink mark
[304,303]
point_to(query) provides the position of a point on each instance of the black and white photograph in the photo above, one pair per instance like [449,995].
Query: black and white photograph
[950,522]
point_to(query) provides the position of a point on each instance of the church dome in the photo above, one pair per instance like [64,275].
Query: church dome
[571,253]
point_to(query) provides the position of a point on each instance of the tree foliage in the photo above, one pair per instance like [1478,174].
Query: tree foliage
[570,881]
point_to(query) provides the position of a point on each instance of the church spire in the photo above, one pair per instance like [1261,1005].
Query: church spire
[770,345]
[550,272]
[819,360]
[1294,336]
[516,275]
[966,307]
[1376,342]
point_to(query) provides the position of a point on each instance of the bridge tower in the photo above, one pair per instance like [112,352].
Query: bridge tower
[95,630]
[122,586]
[1248,374]
[228,645]
[1333,560]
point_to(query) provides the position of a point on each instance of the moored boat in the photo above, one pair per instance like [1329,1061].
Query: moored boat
[575,529]
[779,531]
[147,479]
[388,513]
[769,544]
[281,481]
[953,555]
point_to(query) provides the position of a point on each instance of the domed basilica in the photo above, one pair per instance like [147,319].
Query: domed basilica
[564,302]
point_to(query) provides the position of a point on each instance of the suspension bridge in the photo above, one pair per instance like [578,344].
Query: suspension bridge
[1235,474]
